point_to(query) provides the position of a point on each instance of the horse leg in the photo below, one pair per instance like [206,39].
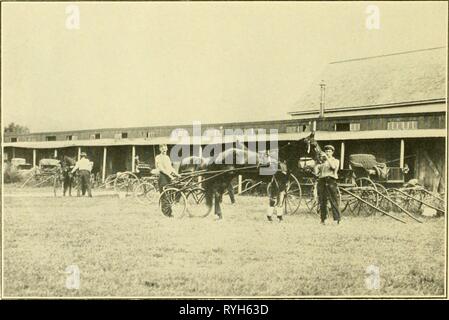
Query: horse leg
[217,205]
[70,181]
[280,205]
[209,197]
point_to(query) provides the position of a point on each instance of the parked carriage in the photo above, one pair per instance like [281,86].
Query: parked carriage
[364,190]
[44,174]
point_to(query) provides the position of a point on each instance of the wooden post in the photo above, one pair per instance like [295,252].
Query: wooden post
[103,174]
[154,154]
[133,162]
[401,156]
[314,126]
[79,153]
[13,153]
[56,153]
[342,155]
[34,157]
[240,184]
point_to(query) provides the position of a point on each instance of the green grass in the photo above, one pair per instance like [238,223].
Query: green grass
[126,249]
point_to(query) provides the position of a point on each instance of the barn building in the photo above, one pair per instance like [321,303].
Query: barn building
[392,106]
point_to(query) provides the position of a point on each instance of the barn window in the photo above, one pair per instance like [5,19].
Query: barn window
[303,128]
[291,129]
[14,139]
[354,126]
[97,136]
[50,138]
[69,137]
[124,135]
[402,125]
[342,126]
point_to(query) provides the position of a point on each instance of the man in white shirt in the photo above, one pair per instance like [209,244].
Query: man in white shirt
[164,165]
[327,184]
[166,173]
[85,167]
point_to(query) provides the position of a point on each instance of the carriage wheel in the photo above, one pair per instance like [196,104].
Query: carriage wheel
[109,182]
[384,204]
[293,195]
[196,201]
[405,202]
[145,192]
[57,186]
[172,203]
[292,199]
[310,194]
[124,184]
[365,189]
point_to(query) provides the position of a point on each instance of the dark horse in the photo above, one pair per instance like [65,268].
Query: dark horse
[277,171]
[67,165]
[195,163]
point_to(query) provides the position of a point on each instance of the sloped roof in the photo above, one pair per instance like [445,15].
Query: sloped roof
[381,80]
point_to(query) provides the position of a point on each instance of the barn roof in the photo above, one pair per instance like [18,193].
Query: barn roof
[400,78]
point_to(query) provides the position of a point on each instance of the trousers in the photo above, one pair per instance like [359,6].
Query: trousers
[85,182]
[328,191]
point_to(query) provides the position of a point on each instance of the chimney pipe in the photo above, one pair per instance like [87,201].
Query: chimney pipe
[322,98]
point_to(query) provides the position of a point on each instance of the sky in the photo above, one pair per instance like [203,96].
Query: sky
[167,63]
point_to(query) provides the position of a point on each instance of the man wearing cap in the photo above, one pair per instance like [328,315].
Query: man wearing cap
[85,167]
[327,184]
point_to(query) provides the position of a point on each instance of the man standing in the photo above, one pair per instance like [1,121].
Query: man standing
[327,184]
[85,167]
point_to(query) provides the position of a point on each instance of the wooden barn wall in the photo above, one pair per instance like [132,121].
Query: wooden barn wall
[434,121]
[430,162]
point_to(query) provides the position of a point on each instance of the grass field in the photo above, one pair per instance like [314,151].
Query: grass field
[123,248]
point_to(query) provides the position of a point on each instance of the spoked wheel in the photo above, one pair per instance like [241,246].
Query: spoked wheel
[412,205]
[367,191]
[109,182]
[196,201]
[292,199]
[124,184]
[293,195]
[310,195]
[402,200]
[173,203]
[384,204]
[146,193]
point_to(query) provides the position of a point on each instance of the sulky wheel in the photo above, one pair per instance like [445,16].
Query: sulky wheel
[196,202]
[413,204]
[109,182]
[409,201]
[365,198]
[145,192]
[293,194]
[310,194]
[124,184]
[384,204]
[173,203]
[292,199]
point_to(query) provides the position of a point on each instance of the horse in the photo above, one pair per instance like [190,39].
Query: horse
[67,164]
[195,163]
[286,163]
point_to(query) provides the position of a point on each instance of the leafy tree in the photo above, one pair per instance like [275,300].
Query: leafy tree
[16,128]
